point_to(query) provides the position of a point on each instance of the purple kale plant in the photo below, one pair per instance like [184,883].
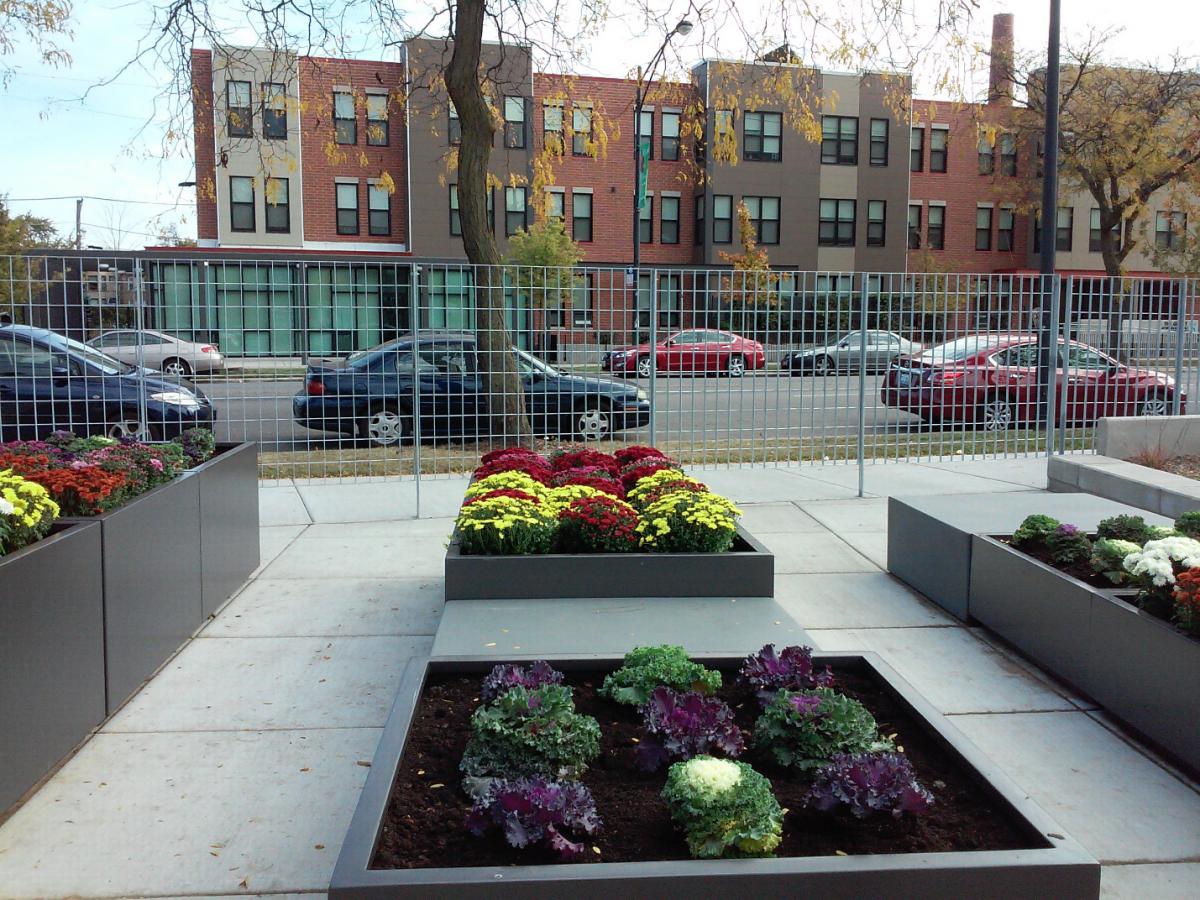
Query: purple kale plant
[869,783]
[537,810]
[680,726]
[504,678]
[791,669]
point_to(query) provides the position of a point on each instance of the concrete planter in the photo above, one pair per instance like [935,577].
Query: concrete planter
[51,654]
[1056,867]
[748,570]
[228,522]
[1134,665]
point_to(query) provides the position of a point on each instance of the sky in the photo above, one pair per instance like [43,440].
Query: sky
[55,144]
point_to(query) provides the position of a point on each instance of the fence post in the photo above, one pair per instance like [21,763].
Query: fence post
[414,323]
[637,286]
[1051,296]
[1181,321]
[1065,327]
[138,297]
[862,383]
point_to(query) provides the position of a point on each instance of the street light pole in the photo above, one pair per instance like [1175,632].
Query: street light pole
[1048,342]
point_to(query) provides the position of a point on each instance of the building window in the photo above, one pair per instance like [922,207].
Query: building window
[876,223]
[378,132]
[698,230]
[1170,229]
[646,221]
[645,131]
[668,227]
[239,120]
[241,203]
[839,140]
[723,124]
[938,138]
[581,125]
[552,127]
[722,219]
[916,150]
[515,217]
[379,211]
[987,155]
[455,216]
[581,216]
[836,223]
[937,228]
[453,127]
[1008,154]
[1063,223]
[670,136]
[764,216]
[914,226]
[582,293]
[762,136]
[555,203]
[670,295]
[514,123]
[347,208]
[274,111]
[279,216]
[879,142]
[345,122]
[983,228]
[1004,230]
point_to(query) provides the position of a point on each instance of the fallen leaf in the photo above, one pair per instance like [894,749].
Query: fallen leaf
[366,764]
[596,850]
[420,771]
[243,883]
[306,769]
[490,644]
[318,846]
[434,787]
[841,853]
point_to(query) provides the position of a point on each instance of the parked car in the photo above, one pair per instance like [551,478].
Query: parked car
[50,382]
[698,350]
[883,348]
[371,396]
[991,380]
[165,352]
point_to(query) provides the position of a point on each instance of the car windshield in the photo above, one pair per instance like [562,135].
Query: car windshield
[957,351]
[91,355]
[531,365]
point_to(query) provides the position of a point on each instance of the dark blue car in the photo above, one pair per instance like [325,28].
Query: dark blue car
[372,396]
[49,382]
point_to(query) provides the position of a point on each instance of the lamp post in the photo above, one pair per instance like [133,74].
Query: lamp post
[1048,342]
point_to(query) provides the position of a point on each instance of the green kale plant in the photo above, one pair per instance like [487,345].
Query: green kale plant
[1034,531]
[1108,558]
[1124,528]
[1069,545]
[806,729]
[725,808]
[1188,524]
[646,668]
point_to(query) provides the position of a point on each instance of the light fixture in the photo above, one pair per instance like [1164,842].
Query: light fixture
[684,27]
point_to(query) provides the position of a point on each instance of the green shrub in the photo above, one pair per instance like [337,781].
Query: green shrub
[805,729]
[1124,528]
[1188,524]
[1108,558]
[1069,545]
[724,807]
[1034,531]
[646,668]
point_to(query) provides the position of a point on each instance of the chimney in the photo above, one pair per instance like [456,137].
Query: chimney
[1000,83]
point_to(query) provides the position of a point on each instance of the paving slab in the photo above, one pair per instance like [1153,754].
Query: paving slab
[954,670]
[273,540]
[841,516]
[281,505]
[243,683]
[855,600]
[353,606]
[1170,881]
[397,556]
[882,480]
[814,553]
[381,501]
[194,813]
[1028,471]
[1109,797]
[766,485]
[777,518]
[439,527]
[871,544]
[612,626]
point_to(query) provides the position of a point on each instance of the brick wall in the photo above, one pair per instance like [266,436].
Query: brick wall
[205,152]
[323,161]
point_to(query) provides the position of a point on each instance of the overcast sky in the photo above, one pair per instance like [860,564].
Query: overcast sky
[54,145]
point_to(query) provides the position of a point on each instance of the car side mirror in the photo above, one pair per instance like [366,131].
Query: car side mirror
[60,374]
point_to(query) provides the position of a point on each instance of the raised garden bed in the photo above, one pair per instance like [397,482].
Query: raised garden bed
[747,570]
[228,522]
[985,840]
[1135,665]
[51,654]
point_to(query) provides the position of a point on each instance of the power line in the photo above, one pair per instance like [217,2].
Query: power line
[104,199]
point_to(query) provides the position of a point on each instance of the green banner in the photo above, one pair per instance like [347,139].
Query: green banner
[643,172]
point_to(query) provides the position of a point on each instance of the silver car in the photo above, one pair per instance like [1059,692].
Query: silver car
[882,348]
[169,354]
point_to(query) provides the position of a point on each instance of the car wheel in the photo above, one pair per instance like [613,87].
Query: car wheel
[1155,405]
[643,367]
[736,367]
[592,423]
[384,427]
[995,414]
[822,365]
[176,367]
[130,428]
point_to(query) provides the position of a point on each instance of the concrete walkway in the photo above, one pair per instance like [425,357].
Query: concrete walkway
[236,769]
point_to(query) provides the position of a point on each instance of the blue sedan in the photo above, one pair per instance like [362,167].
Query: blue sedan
[373,395]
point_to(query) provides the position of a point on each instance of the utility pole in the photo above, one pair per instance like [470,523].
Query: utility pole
[79,224]
[1047,342]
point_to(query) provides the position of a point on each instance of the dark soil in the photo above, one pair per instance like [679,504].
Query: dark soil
[1081,570]
[423,825]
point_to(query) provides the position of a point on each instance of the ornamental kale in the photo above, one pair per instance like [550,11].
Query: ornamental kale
[198,445]
[504,678]
[1124,528]
[1188,524]
[791,669]
[536,810]
[869,783]
[1108,558]
[530,732]
[724,807]
[645,668]
[680,726]
[1068,545]
[1035,530]
[806,729]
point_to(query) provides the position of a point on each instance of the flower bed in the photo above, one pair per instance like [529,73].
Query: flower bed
[920,814]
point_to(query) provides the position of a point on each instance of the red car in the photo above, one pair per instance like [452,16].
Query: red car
[991,380]
[699,350]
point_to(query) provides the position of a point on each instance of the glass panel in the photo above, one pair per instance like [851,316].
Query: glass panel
[241,189]
[343,106]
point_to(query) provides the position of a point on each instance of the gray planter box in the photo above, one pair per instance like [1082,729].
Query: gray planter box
[929,538]
[1134,665]
[51,654]
[228,522]
[748,570]
[152,577]
[1057,866]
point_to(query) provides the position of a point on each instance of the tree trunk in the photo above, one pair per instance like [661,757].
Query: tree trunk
[497,362]
[1113,293]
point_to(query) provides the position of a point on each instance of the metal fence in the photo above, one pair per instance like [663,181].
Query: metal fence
[361,367]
